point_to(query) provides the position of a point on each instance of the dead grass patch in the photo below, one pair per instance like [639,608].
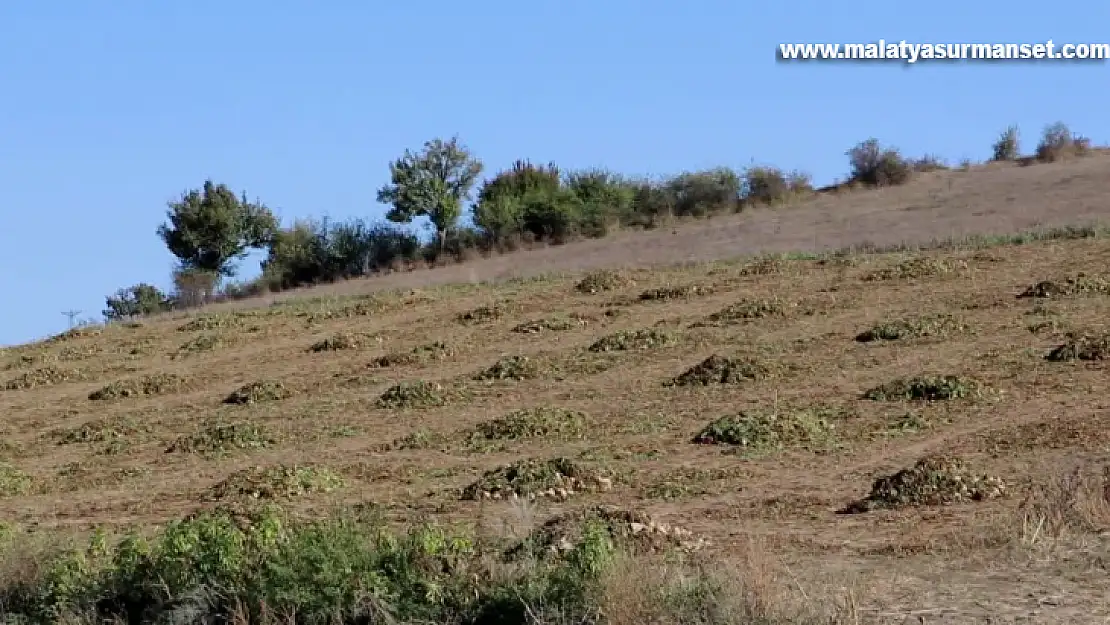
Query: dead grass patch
[558,478]
[142,386]
[1071,505]
[932,481]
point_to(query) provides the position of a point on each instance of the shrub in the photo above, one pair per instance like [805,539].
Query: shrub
[606,198]
[1007,148]
[874,166]
[698,194]
[141,299]
[1058,142]
[311,251]
[770,185]
[194,287]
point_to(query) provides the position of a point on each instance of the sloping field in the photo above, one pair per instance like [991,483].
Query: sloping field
[906,435]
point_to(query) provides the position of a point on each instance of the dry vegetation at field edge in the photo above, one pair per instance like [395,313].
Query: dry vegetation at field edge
[908,423]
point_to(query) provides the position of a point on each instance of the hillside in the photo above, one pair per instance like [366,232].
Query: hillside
[803,379]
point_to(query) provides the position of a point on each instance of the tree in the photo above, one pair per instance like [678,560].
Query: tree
[433,183]
[210,228]
[141,299]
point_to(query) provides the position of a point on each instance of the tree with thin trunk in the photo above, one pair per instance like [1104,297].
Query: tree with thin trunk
[433,183]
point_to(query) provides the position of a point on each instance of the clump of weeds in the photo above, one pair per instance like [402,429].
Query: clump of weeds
[211,322]
[257,392]
[542,422]
[345,340]
[1088,347]
[925,388]
[602,281]
[917,268]
[552,324]
[718,369]
[924,326]
[762,432]
[276,482]
[556,478]
[42,377]
[744,311]
[14,482]
[485,314]
[632,530]
[417,355]
[517,367]
[216,439]
[675,292]
[201,343]
[413,395]
[1078,284]
[143,386]
[934,480]
[633,340]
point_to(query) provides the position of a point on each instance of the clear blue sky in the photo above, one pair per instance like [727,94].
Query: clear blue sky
[109,110]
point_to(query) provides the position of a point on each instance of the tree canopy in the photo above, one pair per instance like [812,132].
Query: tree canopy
[433,183]
[210,228]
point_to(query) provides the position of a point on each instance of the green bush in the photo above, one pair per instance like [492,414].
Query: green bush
[699,194]
[138,300]
[875,166]
[260,567]
[770,185]
[1008,147]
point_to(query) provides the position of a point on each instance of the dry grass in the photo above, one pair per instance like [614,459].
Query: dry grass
[607,406]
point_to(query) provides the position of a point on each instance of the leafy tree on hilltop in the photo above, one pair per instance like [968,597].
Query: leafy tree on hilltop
[210,228]
[433,184]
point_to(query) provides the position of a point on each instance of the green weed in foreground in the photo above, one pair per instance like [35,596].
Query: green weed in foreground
[344,569]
